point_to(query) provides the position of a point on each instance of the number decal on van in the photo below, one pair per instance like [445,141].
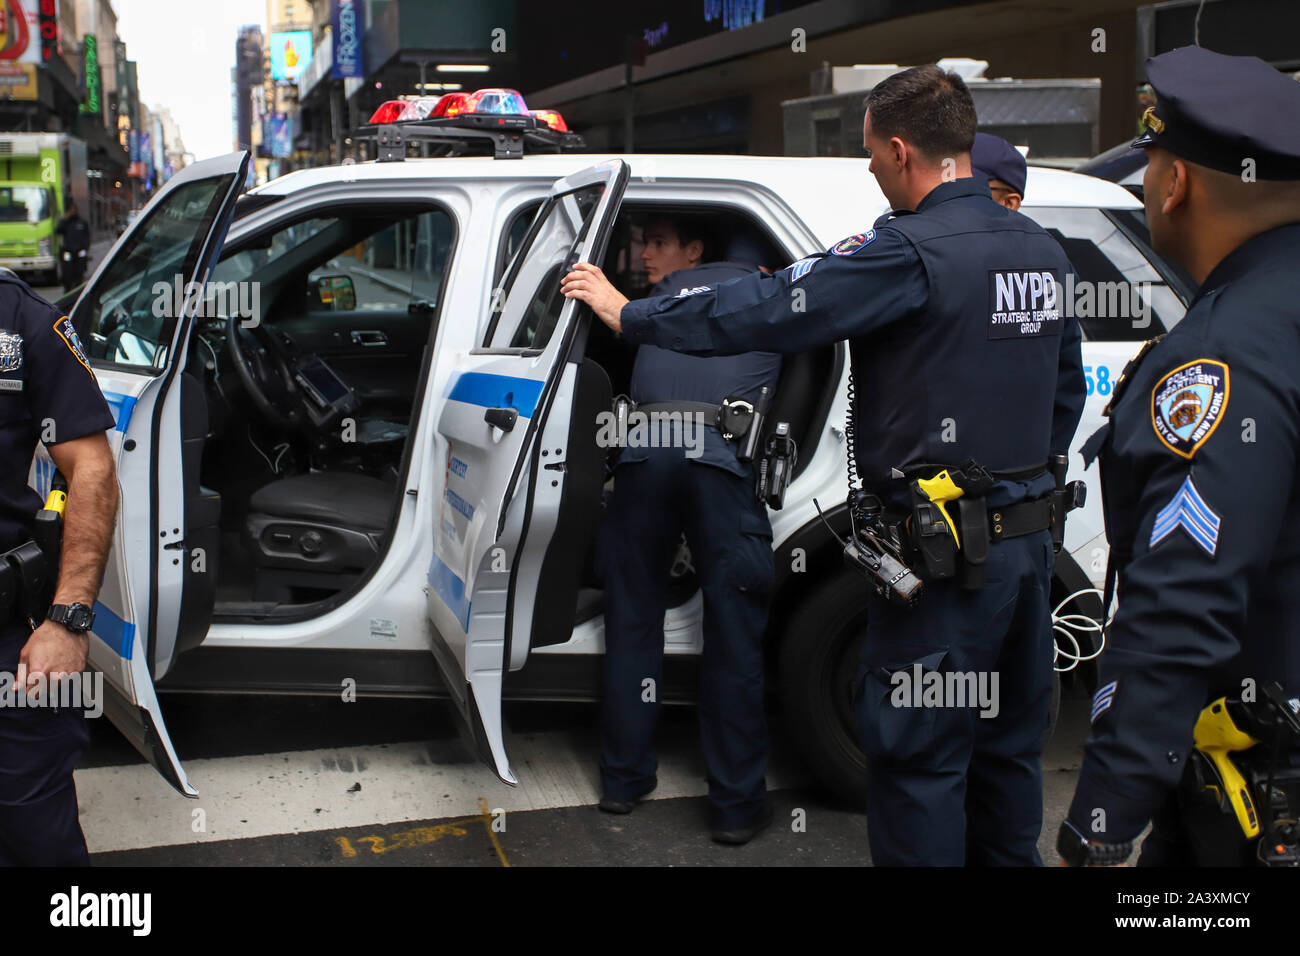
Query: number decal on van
[1102,385]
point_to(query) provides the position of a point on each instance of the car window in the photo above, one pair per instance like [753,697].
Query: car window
[352,264]
[131,315]
[1118,295]
[514,235]
[526,320]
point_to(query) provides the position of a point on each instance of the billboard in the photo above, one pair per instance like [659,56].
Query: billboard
[290,54]
[17,81]
[347,40]
[20,29]
[277,135]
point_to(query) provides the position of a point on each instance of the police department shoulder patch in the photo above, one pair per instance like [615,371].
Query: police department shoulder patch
[1187,405]
[69,335]
[846,247]
[11,351]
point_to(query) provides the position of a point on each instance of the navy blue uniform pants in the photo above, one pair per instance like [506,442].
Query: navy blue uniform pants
[39,748]
[730,538]
[948,786]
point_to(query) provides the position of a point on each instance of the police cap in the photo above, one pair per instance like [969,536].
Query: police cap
[994,158]
[1218,111]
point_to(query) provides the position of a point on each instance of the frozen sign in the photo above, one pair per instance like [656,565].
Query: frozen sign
[1024,303]
[347,40]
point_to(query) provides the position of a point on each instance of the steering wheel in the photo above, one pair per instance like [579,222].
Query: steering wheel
[265,375]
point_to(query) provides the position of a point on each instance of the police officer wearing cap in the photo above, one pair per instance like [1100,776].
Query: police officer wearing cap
[1002,165]
[693,482]
[48,394]
[960,351]
[1198,460]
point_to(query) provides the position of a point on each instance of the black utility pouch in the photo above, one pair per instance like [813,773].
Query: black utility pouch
[933,540]
[973,525]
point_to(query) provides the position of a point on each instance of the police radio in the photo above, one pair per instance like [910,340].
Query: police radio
[776,467]
[872,550]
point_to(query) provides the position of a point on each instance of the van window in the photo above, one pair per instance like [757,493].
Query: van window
[1118,295]
[30,204]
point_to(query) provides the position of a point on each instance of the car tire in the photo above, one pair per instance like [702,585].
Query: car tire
[817,665]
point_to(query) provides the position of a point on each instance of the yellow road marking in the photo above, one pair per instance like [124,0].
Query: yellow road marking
[406,839]
[487,823]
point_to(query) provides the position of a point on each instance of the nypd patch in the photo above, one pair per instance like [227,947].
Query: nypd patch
[1188,511]
[11,351]
[801,268]
[72,340]
[846,247]
[1187,405]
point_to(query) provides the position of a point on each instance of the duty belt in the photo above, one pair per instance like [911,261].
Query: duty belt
[1022,518]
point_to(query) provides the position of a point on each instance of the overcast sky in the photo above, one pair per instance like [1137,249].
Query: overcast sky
[185,52]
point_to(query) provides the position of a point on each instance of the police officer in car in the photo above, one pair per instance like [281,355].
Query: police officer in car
[960,354]
[691,482]
[48,394]
[1198,461]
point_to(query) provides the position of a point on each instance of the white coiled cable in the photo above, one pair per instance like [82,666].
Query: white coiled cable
[1068,627]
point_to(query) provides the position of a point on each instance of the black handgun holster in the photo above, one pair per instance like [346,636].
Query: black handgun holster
[973,525]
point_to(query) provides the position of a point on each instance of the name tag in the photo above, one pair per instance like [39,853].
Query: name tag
[1024,303]
[11,384]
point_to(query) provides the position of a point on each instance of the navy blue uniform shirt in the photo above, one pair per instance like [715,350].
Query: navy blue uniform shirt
[956,352]
[662,375]
[47,390]
[1202,497]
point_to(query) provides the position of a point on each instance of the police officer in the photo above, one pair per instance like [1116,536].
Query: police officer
[1198,461]
[76,242]
[48,393]
[959,351]
[691,482]
[1002,165]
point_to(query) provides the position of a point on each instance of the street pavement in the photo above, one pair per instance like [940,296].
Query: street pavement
[310,781]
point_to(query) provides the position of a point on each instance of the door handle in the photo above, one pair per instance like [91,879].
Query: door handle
[369,338]
[502,418]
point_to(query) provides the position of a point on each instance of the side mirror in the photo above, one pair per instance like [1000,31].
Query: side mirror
[337,293]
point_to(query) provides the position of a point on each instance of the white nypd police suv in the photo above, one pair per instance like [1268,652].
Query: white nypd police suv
[356,426]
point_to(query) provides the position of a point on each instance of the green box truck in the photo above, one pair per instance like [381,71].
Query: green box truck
[39,174]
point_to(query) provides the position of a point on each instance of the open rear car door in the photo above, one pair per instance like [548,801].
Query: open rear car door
[504,427]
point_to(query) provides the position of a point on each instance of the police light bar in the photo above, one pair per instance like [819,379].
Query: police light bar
[551,118]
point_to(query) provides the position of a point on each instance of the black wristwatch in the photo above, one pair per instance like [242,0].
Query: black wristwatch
[1078,850]
[75,617]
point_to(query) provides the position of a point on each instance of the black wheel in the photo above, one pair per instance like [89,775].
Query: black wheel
[817,666]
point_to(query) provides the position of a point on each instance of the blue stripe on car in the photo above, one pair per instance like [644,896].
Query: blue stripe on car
[113,631]
[497,391]
[451,589]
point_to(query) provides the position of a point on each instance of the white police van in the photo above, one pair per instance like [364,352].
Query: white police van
[348,466]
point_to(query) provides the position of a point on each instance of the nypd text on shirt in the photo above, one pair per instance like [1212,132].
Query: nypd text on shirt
[1024,303]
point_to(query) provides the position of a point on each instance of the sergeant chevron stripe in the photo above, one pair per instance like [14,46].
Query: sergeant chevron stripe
[1188,510]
